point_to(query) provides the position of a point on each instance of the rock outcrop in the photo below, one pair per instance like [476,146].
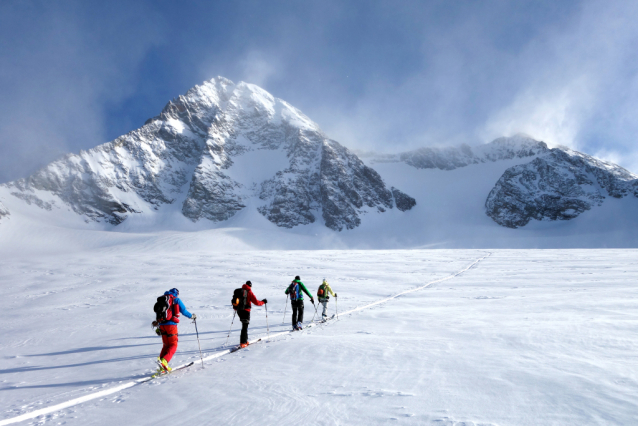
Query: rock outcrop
[557,186]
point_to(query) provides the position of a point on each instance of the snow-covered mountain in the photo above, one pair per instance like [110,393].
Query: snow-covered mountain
[550,184]
[212,151]
[560,184]
[253,171]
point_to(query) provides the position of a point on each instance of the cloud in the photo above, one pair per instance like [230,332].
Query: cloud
[582,82]
[373,75]
[65,64]
[553,116]
[562,72]
[258,68]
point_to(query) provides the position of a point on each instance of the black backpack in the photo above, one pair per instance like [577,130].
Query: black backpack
[162,308]
[240,299]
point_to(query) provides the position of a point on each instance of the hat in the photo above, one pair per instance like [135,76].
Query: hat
[297,277]
[249,284]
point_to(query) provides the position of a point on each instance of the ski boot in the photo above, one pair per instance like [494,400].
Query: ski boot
[163,364]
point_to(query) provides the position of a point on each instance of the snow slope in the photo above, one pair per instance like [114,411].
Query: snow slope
[445,217]
[525,337]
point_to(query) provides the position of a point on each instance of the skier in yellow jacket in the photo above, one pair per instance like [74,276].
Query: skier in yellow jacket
[322,295]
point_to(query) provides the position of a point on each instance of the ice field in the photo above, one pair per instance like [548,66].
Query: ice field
[524,337]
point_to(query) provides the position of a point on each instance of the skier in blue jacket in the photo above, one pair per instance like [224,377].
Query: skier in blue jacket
[168,329]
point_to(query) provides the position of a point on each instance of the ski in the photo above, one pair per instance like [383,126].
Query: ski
[161,374]
[238,347]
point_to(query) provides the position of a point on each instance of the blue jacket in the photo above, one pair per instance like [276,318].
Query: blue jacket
[182,308]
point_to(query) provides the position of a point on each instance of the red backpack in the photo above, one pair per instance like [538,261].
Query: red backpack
[166,309]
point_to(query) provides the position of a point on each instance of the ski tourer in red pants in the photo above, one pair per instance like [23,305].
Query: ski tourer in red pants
[168,329]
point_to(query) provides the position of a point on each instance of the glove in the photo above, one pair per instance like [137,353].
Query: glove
[193,317]
[312,300]
[265,300]
[335,294]
[158,331]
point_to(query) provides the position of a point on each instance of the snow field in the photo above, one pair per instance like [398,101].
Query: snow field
[524,338]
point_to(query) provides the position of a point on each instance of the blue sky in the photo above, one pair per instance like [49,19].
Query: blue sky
[382,75]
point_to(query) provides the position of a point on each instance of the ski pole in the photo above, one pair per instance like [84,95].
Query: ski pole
[267,326]
[313,317]
[231,327]
[198,344]
[284,319]
[337,306]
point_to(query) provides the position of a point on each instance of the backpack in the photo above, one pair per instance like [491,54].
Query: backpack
[163,308]
[322,291]
[240,299]
[293,291]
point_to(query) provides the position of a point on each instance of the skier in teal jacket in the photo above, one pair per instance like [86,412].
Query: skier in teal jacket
[295,290]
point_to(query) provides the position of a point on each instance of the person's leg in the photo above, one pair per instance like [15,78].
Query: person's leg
[324,314]
[170,339]
[294,306]
[164,346]
[172,348]
[244,316]
[300,312]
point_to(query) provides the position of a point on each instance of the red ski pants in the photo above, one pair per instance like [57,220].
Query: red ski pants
[170,342]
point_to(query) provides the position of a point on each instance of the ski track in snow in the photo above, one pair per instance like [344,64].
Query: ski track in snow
[117,389]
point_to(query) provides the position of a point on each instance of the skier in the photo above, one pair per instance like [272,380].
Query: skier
[322,296]
[168,330]
[296,301]
[244,314]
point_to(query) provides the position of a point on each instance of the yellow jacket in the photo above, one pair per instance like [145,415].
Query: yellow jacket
[328,289]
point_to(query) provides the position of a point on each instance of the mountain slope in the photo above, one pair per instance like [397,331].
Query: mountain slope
[186,156]
[557,186]
[546,184]
[3,211]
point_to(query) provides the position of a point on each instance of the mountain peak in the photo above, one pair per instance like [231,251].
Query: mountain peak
[216,150]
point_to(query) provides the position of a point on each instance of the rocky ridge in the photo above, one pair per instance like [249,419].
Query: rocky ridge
[450,158]
[559,185]
[186,155]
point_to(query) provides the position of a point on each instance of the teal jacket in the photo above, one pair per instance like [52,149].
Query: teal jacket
[303,290]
